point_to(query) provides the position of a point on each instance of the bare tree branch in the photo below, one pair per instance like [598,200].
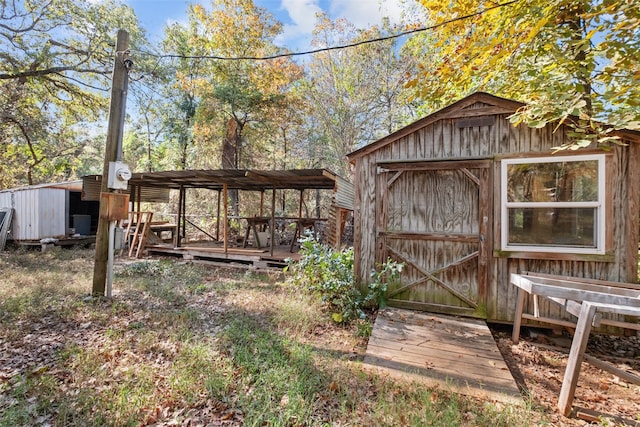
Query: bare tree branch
[52,70]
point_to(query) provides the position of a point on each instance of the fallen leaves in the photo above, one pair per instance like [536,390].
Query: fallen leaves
[542,370]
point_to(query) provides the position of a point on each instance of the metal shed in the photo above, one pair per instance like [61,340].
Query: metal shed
[54,210]
[465,198]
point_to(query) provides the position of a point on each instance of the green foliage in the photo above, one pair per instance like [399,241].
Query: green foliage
[387,273]
[56,60]
[570,62]
[329,274]
[145,269]
[364,328]
[234,98]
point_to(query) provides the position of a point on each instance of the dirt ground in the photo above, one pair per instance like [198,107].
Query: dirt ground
[538,363]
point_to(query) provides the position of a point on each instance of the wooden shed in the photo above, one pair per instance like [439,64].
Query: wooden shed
[464,198]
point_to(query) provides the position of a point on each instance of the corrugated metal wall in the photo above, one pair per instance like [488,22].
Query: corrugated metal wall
[345,194]
[5,199]
[38,212]
[91,191]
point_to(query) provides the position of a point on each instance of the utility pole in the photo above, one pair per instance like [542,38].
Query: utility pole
[113,152]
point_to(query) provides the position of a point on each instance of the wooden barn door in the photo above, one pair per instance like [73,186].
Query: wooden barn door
[435,217]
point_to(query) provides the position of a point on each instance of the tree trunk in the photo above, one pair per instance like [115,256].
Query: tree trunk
[185,140]
[230,144]
[584,77]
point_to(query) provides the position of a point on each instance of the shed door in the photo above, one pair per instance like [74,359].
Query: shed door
[435,217]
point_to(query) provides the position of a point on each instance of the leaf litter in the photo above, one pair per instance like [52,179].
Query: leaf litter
[83,344]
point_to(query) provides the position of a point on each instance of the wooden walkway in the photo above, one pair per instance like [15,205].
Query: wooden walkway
[456,354]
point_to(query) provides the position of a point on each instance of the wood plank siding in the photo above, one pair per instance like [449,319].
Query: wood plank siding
[429,169]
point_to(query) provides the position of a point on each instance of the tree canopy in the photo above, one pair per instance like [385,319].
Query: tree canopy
[355,95]
[235,93]
[569,61]
[56,58]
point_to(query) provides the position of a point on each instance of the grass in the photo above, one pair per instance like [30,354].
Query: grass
[180,342]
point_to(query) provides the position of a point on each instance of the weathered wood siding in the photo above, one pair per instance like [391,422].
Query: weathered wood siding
[482,130]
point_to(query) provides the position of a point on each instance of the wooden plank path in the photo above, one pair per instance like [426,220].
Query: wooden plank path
[456,354]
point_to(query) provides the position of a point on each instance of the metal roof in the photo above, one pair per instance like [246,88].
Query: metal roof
[241,179]
[65,185]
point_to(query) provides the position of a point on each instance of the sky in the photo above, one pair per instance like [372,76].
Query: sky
[297,16]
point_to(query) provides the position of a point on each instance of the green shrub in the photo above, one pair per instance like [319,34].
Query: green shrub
[329,274]
[387,272]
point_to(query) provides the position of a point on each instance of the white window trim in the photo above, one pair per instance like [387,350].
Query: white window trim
[600,206]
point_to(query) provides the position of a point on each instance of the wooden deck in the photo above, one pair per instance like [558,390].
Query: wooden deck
[215,254]
[456,354]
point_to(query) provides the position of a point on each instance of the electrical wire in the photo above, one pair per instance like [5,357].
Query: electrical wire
[330,48]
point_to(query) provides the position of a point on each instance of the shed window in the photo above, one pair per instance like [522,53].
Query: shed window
[554,204]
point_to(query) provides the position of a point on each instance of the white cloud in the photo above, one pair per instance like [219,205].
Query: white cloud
[302,12]
[361,13]
[365,13]
[303,17]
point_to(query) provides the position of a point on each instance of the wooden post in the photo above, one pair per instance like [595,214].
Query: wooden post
[273,219]
[225,232]
[176,237]
[112,153]
[218,219]
[262,203]
[300,206]
[184,215]
[134,197]
[517,320]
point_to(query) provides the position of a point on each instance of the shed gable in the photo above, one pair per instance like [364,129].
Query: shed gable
[475,105]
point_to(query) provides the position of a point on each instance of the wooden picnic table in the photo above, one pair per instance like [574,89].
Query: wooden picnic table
[302,224]
[158,227]
[586,299]
[256,224]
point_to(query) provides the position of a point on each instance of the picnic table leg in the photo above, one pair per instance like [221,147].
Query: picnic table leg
[576,355]
[296,233]
[256,238]
[517,321]
[246,236]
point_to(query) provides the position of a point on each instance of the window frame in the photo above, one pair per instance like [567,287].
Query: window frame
[600,206]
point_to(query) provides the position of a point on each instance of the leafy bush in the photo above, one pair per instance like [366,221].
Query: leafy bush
[387,272]
[329,273]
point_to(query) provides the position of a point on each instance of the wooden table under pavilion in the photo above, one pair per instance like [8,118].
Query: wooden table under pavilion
[222,182]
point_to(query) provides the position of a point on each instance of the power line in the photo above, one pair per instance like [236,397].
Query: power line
[330,48]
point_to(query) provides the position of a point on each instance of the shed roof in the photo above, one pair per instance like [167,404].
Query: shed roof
[241,179]
[495,105]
